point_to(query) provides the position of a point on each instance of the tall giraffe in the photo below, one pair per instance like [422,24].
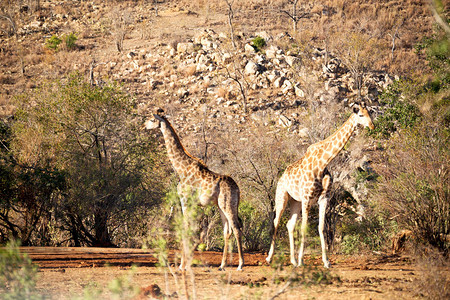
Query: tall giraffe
[307,180]
[212,188]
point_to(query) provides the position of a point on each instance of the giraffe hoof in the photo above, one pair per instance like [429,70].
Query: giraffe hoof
[221,268]
[326,264]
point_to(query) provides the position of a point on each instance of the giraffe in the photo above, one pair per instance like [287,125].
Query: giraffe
[211,188]
[307,180]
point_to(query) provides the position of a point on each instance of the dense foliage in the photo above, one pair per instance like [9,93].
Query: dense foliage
[414,187]
[76,167]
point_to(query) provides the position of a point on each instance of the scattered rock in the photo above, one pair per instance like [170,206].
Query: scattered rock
[185,47]
[291,60]
[249,48]
[252,68]
[285,121]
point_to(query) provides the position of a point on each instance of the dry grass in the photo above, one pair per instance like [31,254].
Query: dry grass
[223,93]
[189,70]
[433,282]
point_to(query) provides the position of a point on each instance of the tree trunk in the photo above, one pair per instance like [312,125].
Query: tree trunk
[101,234]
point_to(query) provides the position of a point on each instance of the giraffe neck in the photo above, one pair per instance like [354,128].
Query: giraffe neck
[333,144]
[177,154]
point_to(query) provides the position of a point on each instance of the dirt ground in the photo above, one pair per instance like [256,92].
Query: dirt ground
[65,273]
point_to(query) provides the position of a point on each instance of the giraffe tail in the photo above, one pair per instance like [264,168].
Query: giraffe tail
[240,223]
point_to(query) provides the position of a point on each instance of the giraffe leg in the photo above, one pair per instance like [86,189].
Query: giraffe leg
[305,208]
[226,236]
[281,200]
[323,202]
[235,225]
[228,204]
[183,198]
[295,207]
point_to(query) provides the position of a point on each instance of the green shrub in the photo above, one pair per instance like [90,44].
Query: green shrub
[17,274]
[256,235]
[436,50]
[398,113]
[123,288]
[53,42]
[258,43]
[371,233]
[414,186]
[70,40]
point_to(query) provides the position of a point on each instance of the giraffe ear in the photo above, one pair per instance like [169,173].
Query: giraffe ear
[355,108]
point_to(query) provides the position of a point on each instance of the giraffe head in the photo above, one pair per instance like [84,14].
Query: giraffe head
[362,115]
[156,122]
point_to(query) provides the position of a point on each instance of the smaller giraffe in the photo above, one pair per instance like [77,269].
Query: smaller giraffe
[307,181]
[195,177]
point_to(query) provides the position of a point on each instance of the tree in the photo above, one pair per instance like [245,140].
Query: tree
[230,15]
[91,134]
[295,15]
[358,52]
[27,194]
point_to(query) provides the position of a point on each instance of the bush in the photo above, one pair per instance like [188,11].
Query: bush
[70,40]
[415,181]
[17,274]
[53,42]
[258,43]
[398,112]
[437,53]
[98,169]
[371,233]
[255,226]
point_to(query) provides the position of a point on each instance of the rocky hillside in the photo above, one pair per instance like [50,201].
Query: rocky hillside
[224,93]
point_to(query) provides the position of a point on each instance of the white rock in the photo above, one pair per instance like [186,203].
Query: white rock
[185,47]
[271,53]
[304,132]
[271,77]
[223,35]
[298,91]
[227,58]
[182,92]
[287,87]
[278,82]
[267,37]
[251,68]
[291,60]
[131,54]
[201,68]
[248,48]
[284,121]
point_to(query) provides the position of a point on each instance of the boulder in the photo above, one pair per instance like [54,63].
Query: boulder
[278,82]
[185,47]
[298,91]
[303,132]
[287,87]
[249,48]
[252,68]
[291,60]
